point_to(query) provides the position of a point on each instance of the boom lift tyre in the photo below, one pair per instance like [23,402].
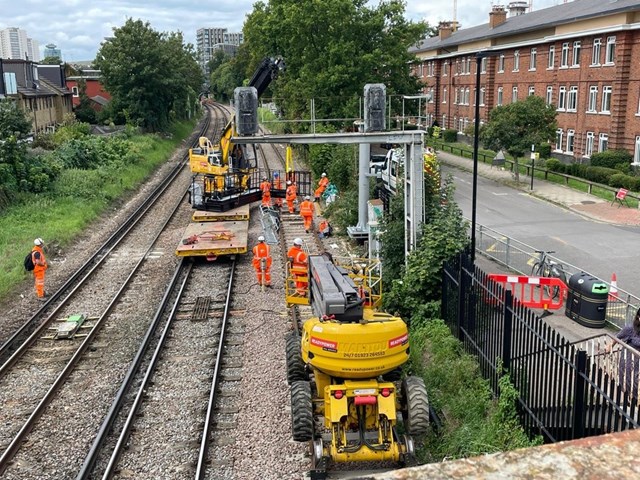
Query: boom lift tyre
[416,406]
[301,411]
[295,366]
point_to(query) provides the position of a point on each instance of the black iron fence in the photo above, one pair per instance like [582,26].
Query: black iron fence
[565,392]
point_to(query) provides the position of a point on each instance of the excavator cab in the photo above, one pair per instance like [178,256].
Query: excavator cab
[344,366]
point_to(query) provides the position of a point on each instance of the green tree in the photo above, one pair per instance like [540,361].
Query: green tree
[151,76]
[51,61]
[219,57]
[517,126]
[332,49]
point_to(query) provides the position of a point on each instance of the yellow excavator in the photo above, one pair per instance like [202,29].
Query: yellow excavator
[344,369]
[225,175]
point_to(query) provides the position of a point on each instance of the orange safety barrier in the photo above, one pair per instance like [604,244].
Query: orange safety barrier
[525,290]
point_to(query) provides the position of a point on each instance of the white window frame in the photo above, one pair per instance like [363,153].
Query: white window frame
[10,83]
[461,125]
[552,57]
[75,91]
[610,51]
[559,139]
[483,65]
[444,68]
[572,99]
[533,59]
[444,120]
[500,98]
[456,92]
[570,141]
[444,94]
[532,90]
[592,104]
[588,144]
[482,92]
[549,97]
[514,94]
[636,152]
[595,53]
[603,142]
[501,63]
[607,94]
[564,58]
[562,99]
[516,61]
[466,95]
[577,47]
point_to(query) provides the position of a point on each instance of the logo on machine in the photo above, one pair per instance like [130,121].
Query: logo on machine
[325,344]
[401,340]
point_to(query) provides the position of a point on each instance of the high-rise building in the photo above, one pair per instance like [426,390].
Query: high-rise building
[14,44]
[52,50]
[208,40]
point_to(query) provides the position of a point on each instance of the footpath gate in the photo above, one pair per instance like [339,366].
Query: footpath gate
[565,392]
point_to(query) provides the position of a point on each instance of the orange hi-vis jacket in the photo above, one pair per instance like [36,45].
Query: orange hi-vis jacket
[322,185]
[306,208]
[260,251]
[39,261]
[265,187]
[298,258]
[291,193]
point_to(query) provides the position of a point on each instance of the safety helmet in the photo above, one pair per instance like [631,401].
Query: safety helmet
[298,241]
[323,174]
[264,179]
[288,182]
[307,197]
[261,238]
[38,241]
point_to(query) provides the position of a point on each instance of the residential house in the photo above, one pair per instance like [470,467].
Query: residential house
[94,89]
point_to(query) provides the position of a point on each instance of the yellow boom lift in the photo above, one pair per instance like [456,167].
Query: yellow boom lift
[345,369]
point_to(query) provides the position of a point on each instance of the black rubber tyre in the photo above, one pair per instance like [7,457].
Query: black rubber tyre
[301,411]
[416,406]
[295,366]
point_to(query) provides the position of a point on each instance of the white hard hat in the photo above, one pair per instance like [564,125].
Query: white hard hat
[261,238]
[38,241]
[298,241]
[264,178]
[288,182]
[323,174]
[307,197]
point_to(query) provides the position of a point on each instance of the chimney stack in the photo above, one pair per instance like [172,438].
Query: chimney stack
[497,16]
[445,29]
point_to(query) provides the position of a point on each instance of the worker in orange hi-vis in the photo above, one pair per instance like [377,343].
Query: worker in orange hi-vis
[322,185]
[306,212]
[277,184]
[290,195]
[265,188]
[40,266]
[299,263]
[262,262]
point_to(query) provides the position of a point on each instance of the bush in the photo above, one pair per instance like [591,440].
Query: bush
[619,180]
[554,165]
[450,136]
[599,174]
[611,158]
[544,150]
[576,169]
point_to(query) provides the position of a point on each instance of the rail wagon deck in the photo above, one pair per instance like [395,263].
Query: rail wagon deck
[240,213]
[213,239]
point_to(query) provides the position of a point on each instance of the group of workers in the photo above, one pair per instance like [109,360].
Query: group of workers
[297,259]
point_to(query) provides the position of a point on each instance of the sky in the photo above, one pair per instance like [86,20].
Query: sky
[77,27]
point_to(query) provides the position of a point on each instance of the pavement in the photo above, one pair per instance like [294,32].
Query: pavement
[582,203]
[587,205]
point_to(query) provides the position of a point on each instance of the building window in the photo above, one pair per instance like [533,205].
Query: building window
[610,54]
[444,95]
[549,95]
[501,63]
[466,96]
[11,85]
[532,90]
[576,54]
[74,91]
[559,138]
[432,95]
[445,68]
[461,125]
[595,54]
[467,69]
[500,92]
[482,96]
[483,65]
[570,138]
[588,147]
[564,59]
[516,61]
[572,99]
[455,96]
[444,120]
[606,100]
[636,152]
[562,98]
[514,95]
[533,59]
[552,56]
[603,141]
[593,98]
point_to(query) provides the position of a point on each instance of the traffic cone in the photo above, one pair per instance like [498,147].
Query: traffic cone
[613,291]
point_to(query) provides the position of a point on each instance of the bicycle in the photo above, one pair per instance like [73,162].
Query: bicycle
[545,267]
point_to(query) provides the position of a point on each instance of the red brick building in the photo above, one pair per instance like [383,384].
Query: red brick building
[583,57]
[94,89]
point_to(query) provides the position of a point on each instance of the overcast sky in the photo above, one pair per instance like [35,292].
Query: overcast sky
[77,27]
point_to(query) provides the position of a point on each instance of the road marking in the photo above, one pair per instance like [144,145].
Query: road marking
[499,194]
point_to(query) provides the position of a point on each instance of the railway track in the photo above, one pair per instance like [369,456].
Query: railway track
[45,378]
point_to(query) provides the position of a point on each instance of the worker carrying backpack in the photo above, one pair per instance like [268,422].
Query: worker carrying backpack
[28,262]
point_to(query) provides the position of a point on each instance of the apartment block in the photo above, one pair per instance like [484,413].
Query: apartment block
[578,56]
[16,45]
[209,40]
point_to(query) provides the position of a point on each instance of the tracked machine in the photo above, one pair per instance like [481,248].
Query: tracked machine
[344,369]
